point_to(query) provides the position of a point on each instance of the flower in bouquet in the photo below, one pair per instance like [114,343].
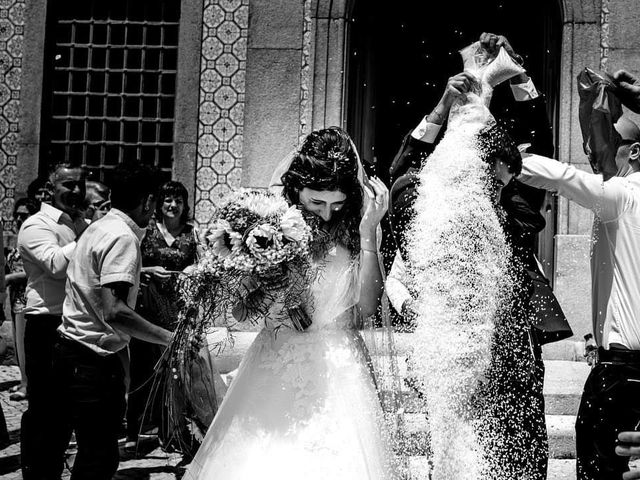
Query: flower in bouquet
[294,226]
[223,239]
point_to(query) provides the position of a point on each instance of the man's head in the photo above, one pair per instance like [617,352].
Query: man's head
[501,153]
[628,152]
[97,200]
[133,190]
[68,188]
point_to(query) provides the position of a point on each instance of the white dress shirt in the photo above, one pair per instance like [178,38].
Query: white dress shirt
[46,242]
[615,256]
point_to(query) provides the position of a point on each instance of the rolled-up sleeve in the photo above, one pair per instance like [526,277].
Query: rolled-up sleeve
[40,244]
[119,261]
[607,199]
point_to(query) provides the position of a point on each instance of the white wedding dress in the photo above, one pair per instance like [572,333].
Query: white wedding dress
[303,405]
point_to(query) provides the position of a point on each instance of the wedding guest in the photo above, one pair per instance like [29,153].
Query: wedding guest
[46,242]
[97,200]
[609,403]
[16,280]
[629,447]
[98,321]
[169,247]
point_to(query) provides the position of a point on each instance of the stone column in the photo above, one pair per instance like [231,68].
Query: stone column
[272,111]
[580,48]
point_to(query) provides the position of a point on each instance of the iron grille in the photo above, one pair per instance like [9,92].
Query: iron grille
[113,82]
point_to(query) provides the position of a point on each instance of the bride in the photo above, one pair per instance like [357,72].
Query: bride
[304,405]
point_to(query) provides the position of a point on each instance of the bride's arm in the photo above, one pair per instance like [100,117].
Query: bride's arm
[371,285]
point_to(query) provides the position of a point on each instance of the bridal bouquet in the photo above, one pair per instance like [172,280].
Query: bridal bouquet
[253,233]
[254,266]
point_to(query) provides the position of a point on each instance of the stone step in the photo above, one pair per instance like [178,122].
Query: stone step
[560,428]
[419,467]
[562,436]
[563,385]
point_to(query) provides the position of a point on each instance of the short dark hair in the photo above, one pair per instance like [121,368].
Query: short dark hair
[173,189]
[131,184]
[496,144]
[30,203]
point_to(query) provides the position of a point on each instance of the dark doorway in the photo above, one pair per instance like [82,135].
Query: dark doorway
[402,53]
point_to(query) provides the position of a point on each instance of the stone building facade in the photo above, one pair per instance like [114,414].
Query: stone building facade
[254,76]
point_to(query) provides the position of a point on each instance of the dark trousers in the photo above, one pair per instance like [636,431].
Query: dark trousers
[610,404]
[90,399]
[39,339]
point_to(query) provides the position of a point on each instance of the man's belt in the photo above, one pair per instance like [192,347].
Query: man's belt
[619,356]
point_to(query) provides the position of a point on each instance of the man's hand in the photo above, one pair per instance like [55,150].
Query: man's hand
[457,86]
[628,90]
[492,44]
[629,446]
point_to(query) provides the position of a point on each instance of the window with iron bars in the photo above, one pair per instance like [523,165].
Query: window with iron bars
[111,83]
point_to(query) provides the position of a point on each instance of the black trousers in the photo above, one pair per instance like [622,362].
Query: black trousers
[39,339]
[90,400]
[610,404]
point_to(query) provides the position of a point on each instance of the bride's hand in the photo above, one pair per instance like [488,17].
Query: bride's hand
[377,202]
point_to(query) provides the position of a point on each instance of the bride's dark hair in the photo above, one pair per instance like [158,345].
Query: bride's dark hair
[327,161]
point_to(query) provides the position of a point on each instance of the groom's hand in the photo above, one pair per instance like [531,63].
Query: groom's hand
[492,44]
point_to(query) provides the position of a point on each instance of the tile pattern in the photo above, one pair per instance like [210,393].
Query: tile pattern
[11,48]
[222,101]
[305,73]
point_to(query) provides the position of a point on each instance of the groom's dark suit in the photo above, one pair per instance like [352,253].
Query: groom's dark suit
[521,203]
[523,221]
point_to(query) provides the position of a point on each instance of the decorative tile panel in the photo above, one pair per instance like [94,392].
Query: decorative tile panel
[305,72]
[221,115]
[11,42]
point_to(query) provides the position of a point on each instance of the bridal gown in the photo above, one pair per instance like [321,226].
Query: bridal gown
[303,405]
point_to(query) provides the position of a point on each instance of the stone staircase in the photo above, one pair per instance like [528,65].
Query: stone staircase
[564,379]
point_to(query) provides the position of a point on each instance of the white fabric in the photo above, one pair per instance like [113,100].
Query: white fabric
[523,92]
[396,282]
[107,252]
[303,404]
[46,242]
[615,256]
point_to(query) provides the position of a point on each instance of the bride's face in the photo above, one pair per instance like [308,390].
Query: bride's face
[323,203]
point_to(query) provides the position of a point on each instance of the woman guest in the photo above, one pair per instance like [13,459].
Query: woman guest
[168,248]
[16,280]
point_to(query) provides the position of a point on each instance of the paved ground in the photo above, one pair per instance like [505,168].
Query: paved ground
[155,464]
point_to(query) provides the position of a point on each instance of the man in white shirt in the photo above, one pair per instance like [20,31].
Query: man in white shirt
[98,320]
[610,400]
[46,242]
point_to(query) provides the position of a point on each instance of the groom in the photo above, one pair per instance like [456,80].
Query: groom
[522,205]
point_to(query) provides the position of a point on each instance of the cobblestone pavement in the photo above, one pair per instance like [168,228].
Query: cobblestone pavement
[154,465]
